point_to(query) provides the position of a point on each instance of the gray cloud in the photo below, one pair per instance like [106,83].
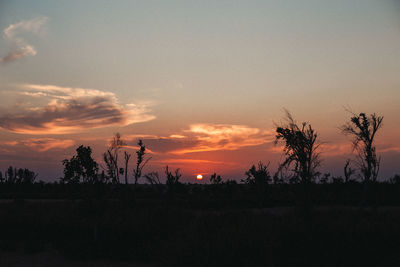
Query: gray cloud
[13,34]
[71,110]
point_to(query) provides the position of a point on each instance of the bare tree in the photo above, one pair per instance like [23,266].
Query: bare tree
[363,129]
[127,157]
[153,178]
[348,171]
[284,175]
[172,179]
[110,165]
[141,162]
[115,146]
[110,158]
[300,148]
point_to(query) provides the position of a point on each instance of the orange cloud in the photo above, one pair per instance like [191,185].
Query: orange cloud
[10,143]
[131,137]
[177,136]
[137,147]
[42,144]
[331,150]
[71,110]
[205,137]
[194,161]
[212,137]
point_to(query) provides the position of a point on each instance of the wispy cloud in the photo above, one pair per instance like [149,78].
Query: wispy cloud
[212,137]
[194,161]
[71,110]
[19,48]
[203,137]
[347,149]
[42,144]
[387,147]
[336,149]
[327,149]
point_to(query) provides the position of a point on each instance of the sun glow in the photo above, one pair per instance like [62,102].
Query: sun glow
[199,177]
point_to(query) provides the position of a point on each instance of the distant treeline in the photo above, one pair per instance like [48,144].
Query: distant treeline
[228,194]
[18,176]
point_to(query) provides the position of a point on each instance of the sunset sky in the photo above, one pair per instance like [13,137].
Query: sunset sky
[203,83]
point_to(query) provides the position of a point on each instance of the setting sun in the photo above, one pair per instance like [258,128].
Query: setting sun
[199,177]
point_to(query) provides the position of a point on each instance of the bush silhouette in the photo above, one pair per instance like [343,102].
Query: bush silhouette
[81,167]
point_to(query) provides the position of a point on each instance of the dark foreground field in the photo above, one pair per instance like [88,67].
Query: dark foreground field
[173,231]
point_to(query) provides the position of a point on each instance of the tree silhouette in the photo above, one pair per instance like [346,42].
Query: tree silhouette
[215,179]
[363,129]
[18,176]
[259,175]
[395,179]
[110,166]
[25,176]
[348,171]
[284,175]
[140,162]
[325,178]
[127,157]
[111,156]
[80,168]
[11,175]
[300,148]
[172,179]
[153,178]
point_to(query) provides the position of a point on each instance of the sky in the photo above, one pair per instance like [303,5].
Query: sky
[203,83]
